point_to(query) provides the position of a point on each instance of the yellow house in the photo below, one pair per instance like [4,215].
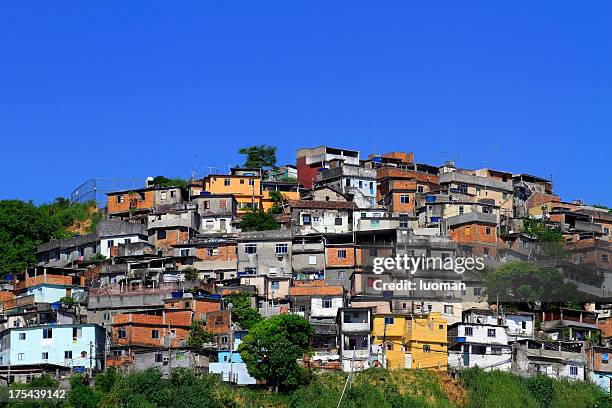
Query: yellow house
[411,341]
[245,186]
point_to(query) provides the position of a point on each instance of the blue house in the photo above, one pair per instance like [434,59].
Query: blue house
[51,293]
[230,365]
[64,345]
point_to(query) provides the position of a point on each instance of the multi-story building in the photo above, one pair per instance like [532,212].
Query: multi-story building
[30,351]
[355,181]
[354,328]
[243,184]
[310,160]
[265,253]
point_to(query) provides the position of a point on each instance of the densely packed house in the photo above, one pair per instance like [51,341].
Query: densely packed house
[166,257]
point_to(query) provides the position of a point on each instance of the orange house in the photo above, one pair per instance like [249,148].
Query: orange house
[152,329]
[244,186]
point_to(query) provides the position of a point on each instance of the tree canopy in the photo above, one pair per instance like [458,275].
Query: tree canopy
[258,220]
[272,347]
[242,312]
[24,226]
[527,283]
[259,156]
[198,334]
[162,181]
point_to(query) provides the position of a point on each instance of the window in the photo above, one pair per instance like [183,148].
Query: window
[604,358]
[342,254]
[275,285]
[155,334]
[163,195]
[404,198]
[426,348]
[47,333]
[488,230]
[448,309]
[606,231]
[306,219]
[496,351]
[251,182]
[468,231]
[213,251]
[605,257]
[477,191]
[226,182]
[360,184]
[45,355]
[22,336]
[403,221]
[172,193]
[460,209]
[187,305]
[184,252]
[389,320]
[375,223]
[83,354]
[573,370]
[272,271]
[119,199]
[210,224]
[477,291]
[76,332]
[348,182]
[482,350]
[490,332]
[468,331]
[159,357]
[282,249]
[161,234]
[250,248]
[420,189]
[141,196]
[68,354]
[241,181]
[440,327]
[524,325]
[312,260]
[486,210]
[463,188]
[326,304]
[110,243]
[121,333]
[338,221]
[20,356]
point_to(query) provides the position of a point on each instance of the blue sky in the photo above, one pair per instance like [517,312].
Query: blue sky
[131,89]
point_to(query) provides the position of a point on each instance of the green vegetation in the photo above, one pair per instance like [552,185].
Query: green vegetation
[373,388]
[279,200]
[161,181]
[191,273]
[258,221]
[198,334]
[502,389]
[24,226]
[259,156]
[527,283]
[540,231]
[242,312]
[271,348]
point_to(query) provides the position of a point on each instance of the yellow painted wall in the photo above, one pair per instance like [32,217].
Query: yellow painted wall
[430,330]
[267,203]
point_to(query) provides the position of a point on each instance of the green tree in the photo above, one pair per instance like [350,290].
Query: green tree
[527,283]
[259,157]
[198,334]
[272,347]
[278,201]
[24,226]
[258,221]
[162,181]
[242,312]
[191,273]
[81,395]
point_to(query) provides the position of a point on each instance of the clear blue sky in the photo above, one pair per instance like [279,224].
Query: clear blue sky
[131,89]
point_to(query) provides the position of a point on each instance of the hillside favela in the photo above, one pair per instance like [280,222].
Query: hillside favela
[341,279]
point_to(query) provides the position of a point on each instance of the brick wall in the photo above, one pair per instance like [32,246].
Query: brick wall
[468,233]
[334,260]
[306,174]
[225,252]
[113,206]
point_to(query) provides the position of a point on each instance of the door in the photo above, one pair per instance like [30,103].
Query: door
[466,355]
